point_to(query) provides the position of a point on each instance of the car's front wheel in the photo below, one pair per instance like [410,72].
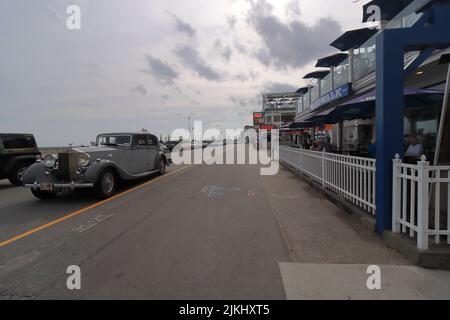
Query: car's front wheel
[17,173]
[43,195]
[106,185]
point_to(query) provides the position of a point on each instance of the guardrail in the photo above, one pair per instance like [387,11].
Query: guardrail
[421,205]
[353,178]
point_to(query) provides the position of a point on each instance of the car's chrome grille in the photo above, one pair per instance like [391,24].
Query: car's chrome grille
[63,171]
[67,165]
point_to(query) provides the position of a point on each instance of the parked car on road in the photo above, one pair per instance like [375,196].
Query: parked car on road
[112,158]
[17,152]
[171,144]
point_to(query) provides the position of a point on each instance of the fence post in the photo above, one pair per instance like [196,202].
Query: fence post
[323,168]
[396,193]
[423,203]
[300,160]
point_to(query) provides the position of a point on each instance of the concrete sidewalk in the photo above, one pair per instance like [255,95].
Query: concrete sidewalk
[319,232]
[331,250]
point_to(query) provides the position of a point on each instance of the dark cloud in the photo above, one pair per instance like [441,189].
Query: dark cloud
[192,60]
[223,50]
[231,20]
[278,87]
[242,77]
[240,47]
[161,71]
[139,89]
[183,27]
[293,43]
[246,102]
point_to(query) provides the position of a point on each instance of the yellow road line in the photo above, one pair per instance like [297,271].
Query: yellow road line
[78,212]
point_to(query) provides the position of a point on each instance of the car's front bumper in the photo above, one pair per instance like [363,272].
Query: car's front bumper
[58,186]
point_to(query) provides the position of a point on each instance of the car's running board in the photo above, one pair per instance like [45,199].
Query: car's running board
[141,175]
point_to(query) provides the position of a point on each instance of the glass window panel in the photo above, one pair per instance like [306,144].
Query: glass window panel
[325,85]
[341,74]
[365,58]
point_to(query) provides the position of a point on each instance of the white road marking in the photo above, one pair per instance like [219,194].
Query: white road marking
[92,222]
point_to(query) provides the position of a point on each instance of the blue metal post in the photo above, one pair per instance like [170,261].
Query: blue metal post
[389,113]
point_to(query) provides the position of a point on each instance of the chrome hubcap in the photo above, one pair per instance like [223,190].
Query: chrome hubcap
[108,183]
[21,173]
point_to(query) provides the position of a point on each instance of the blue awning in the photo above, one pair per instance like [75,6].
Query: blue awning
[301,125]
[363,107]
[353,39]
[331,61]
[320,115]
[389,8]
[412,95]
[317,74]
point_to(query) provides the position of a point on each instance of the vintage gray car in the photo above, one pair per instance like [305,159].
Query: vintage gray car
[112,158]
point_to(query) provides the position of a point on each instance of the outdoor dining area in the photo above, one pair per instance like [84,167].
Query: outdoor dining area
[350,127]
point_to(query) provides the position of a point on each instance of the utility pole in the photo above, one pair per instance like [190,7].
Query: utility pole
[189,127]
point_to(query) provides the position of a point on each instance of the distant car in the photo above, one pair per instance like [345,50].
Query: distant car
[17,152]
[114,157]
[163,146]
[197,145]
[171,144]
[206,144]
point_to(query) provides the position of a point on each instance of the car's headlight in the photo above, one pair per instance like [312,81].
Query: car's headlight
[84,160]
[50,160]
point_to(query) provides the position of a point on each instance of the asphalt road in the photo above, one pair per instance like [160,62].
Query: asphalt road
[199,232]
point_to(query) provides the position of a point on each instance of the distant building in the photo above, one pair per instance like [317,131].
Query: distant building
[279,109]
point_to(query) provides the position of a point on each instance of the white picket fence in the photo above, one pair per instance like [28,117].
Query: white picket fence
[421,206]
[353,178]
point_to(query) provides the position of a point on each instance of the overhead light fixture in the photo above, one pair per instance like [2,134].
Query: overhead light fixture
[419,73]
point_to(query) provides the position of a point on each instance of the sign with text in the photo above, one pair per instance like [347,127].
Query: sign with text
[338,93]
[258,118]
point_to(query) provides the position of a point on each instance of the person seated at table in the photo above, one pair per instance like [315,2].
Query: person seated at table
[372,149]
[307,144]
[325,144]
[414,151]
[316,146]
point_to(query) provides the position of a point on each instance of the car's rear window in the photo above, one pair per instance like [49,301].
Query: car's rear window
[18,142]
[114,140]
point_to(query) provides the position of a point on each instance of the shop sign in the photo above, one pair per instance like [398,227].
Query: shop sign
[338,93]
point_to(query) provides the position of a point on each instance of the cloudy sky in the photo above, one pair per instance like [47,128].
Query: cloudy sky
[151,63]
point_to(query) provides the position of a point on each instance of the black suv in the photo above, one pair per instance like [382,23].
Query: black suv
[17,153]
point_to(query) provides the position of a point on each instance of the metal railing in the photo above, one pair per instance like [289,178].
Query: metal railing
[421,206]
[353,178]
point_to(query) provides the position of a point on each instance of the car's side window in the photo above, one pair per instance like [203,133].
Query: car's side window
[152,140]
[140,141]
